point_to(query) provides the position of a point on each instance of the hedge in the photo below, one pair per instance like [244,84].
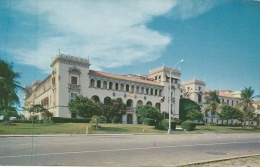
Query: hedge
[21,121]
[188,125]
[149,122]
[70,120]
[165,124]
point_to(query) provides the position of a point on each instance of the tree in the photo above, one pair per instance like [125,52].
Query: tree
[187,105]
[246,104]
[34,109]
[229,112]
[148,111]
[212,103]
[47,114]
[8,90]
[85,107]
[195,114]
[8,112]
[113,108]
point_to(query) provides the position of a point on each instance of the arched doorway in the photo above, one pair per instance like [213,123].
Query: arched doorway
[107,100]
[149,103]
[129,103]
[158,106]
[129,119]
[95,98]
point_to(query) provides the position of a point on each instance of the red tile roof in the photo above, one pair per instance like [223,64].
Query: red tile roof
[123,77]
[223,94]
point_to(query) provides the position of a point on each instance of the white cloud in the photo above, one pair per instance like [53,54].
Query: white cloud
[186,9]
[111,33]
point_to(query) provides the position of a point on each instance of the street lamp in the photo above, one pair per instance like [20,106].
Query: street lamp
[170,96]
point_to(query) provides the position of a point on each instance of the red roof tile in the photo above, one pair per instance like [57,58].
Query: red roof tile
[123,77]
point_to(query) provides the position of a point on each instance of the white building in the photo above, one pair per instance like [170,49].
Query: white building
[72,75]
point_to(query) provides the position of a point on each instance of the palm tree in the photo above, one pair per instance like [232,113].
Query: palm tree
[212,103]
[8,89]
[246,104]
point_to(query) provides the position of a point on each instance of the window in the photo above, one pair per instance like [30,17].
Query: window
[98,84]
[147,91]
[73,95]
[127,88]
[92,83]
[110,85]
[199,98]
[105,85]
[53,81]
[122,87]
[74,80]
[116,86]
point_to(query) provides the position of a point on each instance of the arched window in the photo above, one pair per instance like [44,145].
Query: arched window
[156,92]
[199,98]
[107,100]
[98,84]
[105,85]
[158,106]
[117,86]
[132,88]
[129,103]
[110,85]
[147,91]
[127,88]
[160,92]
[92,83]
[122,87]
[142,90]
[137,89]
[95,98]
[149,103]
[151,91]
[139,103]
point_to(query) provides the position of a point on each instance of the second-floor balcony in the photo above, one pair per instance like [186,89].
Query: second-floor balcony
[73,86]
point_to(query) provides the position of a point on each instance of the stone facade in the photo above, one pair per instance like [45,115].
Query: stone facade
[71,75]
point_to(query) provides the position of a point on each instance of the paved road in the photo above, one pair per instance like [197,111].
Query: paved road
[125,150]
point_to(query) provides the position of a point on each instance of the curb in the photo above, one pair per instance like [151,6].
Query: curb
[215,160]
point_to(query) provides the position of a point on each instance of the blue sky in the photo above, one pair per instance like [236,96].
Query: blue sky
[218,40]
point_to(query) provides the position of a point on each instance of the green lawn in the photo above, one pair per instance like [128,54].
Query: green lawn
[80,128]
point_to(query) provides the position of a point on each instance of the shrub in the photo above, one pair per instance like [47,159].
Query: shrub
[70,120]
[149,122]
[115,119]
[160,127]
[188,125]
[165,123]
